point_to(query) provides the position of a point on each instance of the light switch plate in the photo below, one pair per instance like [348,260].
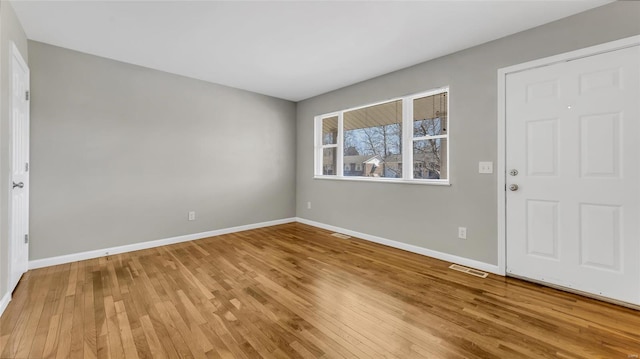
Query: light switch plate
[485,167]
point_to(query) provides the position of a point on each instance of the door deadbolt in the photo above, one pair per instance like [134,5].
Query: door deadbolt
[513,172]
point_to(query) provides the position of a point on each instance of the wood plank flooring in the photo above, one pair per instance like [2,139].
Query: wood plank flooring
[294,291]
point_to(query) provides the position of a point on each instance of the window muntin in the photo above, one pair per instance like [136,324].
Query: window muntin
[368,142]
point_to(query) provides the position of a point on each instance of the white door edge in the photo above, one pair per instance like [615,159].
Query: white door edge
[14,54]
[501,160]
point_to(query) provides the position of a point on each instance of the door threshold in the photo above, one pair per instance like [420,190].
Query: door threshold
[578,292]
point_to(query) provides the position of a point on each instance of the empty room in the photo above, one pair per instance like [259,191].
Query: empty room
[320,179]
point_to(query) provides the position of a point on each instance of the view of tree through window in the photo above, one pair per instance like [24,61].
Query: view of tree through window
[372,143]
[430,137]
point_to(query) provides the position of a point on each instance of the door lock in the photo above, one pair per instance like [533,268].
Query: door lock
[513,187]
[513,172]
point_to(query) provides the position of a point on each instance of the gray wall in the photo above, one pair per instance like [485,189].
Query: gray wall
[428,216]
[121,153]
[10,31]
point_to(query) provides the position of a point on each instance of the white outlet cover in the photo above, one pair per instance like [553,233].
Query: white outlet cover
[485,167]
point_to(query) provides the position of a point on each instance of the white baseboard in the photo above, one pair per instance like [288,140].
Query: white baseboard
[491,268]
[4,302]
[46,262]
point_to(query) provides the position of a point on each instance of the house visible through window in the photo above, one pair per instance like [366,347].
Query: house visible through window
[371,142]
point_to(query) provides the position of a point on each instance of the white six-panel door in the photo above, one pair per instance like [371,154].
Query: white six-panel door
[573,151]
[19,220]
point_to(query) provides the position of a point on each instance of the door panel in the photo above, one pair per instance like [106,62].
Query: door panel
[572,134]
[542,148]
[19,221]
[600,146]
[542,228]
[600,236]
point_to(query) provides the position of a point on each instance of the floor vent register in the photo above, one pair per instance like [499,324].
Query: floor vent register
[471,271]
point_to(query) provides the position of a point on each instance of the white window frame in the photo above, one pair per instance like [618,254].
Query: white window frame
[407,142]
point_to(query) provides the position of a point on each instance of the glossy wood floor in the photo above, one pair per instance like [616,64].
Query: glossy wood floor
[294,291]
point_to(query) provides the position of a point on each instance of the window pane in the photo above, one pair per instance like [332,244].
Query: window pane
[430,159]
[329,161]
[373,141]
[330,130]
[430,115]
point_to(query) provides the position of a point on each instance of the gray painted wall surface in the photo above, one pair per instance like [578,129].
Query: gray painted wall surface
[121,153]
[10,31]
[428,216]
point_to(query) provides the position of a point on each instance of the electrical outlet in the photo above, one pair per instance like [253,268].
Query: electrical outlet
[462,232]
[485,167]
[309,205]
[192,215]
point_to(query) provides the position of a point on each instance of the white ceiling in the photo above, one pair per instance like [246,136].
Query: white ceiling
[288,49]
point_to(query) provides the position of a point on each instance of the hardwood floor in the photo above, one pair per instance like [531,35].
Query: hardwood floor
[294,291]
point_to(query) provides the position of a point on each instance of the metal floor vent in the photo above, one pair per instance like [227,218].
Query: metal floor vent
[340,235]
[474,272]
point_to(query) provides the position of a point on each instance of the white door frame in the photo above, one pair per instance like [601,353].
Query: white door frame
[14,53]
[502,139]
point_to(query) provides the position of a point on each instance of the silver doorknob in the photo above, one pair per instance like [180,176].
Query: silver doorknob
[513,187]
[19,185]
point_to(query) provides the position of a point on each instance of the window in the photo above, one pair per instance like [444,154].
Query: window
[404,139]
[329,145]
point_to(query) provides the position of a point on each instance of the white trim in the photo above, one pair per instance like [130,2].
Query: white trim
[574,55]
[385,180]
[407,247]
[4,302]
[424,138]
[501,174]
[340,147]
[46,262]
[68,258]
[317,146]
[407,136]
[502,79]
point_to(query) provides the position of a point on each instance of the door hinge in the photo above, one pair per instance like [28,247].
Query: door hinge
[26,95]
[26,238]
[26,167]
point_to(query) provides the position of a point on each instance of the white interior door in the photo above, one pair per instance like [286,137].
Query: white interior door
[573,136]
[19,198]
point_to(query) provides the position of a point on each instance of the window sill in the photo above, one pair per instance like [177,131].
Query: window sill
[385,180]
